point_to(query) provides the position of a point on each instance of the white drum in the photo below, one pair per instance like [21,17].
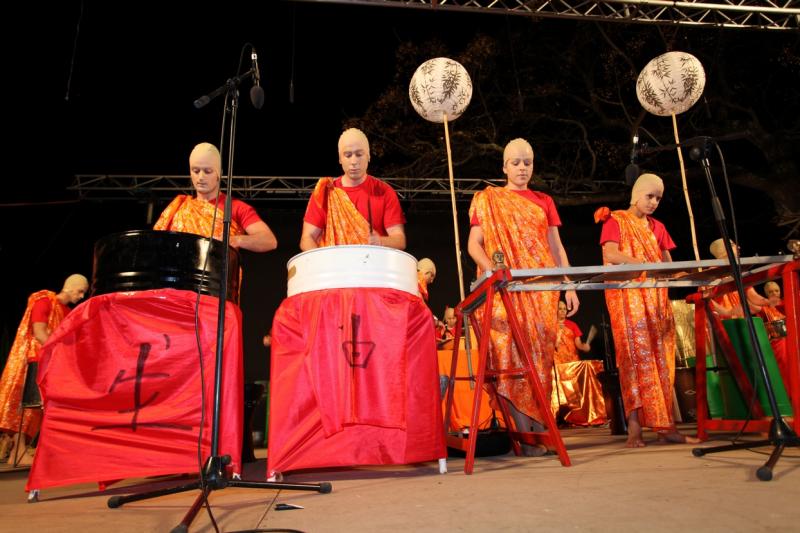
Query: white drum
[337,267]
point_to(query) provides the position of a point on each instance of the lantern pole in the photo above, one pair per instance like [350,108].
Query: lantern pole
[453,203]
[685,187]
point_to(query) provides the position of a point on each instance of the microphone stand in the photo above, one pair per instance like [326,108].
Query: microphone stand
[214,475]
[780,433]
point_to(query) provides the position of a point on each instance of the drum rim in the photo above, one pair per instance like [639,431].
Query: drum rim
[350,246]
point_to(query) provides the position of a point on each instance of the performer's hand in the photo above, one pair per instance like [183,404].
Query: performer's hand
[235,241]
[374,239]
[571,299]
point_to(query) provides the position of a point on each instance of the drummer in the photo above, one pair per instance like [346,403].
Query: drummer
[774,317]
[189,214]
[446,330]
[729,305]
[354,208]
[773,292]
[426,273]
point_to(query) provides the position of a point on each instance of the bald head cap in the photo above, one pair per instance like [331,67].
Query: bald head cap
[717,249]
[426,265]
[516,144]
[644,184]
[769,284]
[204,150]
[354,134]
[76,281]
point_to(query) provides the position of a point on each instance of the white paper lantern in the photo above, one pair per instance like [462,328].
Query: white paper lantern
[440,87]
[671,83]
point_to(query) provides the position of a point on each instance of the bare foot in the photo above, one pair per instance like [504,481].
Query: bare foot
[634,442]
[675,437]
[634,432]
[535,450]
[6,447]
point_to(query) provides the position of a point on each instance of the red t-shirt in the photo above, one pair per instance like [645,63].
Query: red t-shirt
[610,233]
[41,310]
[573,327]
[241,213]
[372,198]
[539,198]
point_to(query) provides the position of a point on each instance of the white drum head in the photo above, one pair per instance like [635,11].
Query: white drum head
[336,267]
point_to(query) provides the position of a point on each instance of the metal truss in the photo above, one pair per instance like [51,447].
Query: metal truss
[285,188]
[752,14]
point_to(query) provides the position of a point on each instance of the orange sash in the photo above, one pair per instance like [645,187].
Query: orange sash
[187,214]
[566,352]
[771,313]
[422,283]
[643,328]
[343,223]
[25,348]
[517,227]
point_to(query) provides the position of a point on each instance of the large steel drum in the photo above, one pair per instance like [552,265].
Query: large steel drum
[337,267]
[146,259]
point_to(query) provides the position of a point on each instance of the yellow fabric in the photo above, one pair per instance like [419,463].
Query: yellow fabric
[683,313]
[24,349]
[343,223]
[187,214]
[644,332]
[580,393]
[518,227]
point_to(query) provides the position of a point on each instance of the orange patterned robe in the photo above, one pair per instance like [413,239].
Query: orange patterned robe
[187,214]
[517,227]
[343,223]
[643,328]
[25,349]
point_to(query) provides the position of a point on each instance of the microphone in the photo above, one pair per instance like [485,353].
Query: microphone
[202,101]
[256,92]
[632,170]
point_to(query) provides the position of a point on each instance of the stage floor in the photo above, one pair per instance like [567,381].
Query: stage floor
[607,488]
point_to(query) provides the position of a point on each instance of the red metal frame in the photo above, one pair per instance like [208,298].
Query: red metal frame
[790,275]
[551,438]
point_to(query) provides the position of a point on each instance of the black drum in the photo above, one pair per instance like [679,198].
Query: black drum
[147,259]
[776,329]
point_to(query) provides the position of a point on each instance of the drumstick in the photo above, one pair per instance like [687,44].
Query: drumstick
[369,214]
[592,334]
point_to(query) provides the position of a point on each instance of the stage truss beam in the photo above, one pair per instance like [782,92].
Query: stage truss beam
[750,14]
[288,188]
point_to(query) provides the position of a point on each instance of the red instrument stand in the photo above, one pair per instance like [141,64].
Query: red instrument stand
[484,295]
[789,273]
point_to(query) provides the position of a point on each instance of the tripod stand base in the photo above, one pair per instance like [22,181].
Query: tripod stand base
[208,487]
[781,436]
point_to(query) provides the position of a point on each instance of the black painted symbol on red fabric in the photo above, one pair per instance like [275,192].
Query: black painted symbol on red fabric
[357,352]
[138,404]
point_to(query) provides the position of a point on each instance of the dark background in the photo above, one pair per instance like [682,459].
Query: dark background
[96,87]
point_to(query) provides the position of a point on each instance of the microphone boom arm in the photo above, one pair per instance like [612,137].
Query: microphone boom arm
[231,83]
[702,140]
